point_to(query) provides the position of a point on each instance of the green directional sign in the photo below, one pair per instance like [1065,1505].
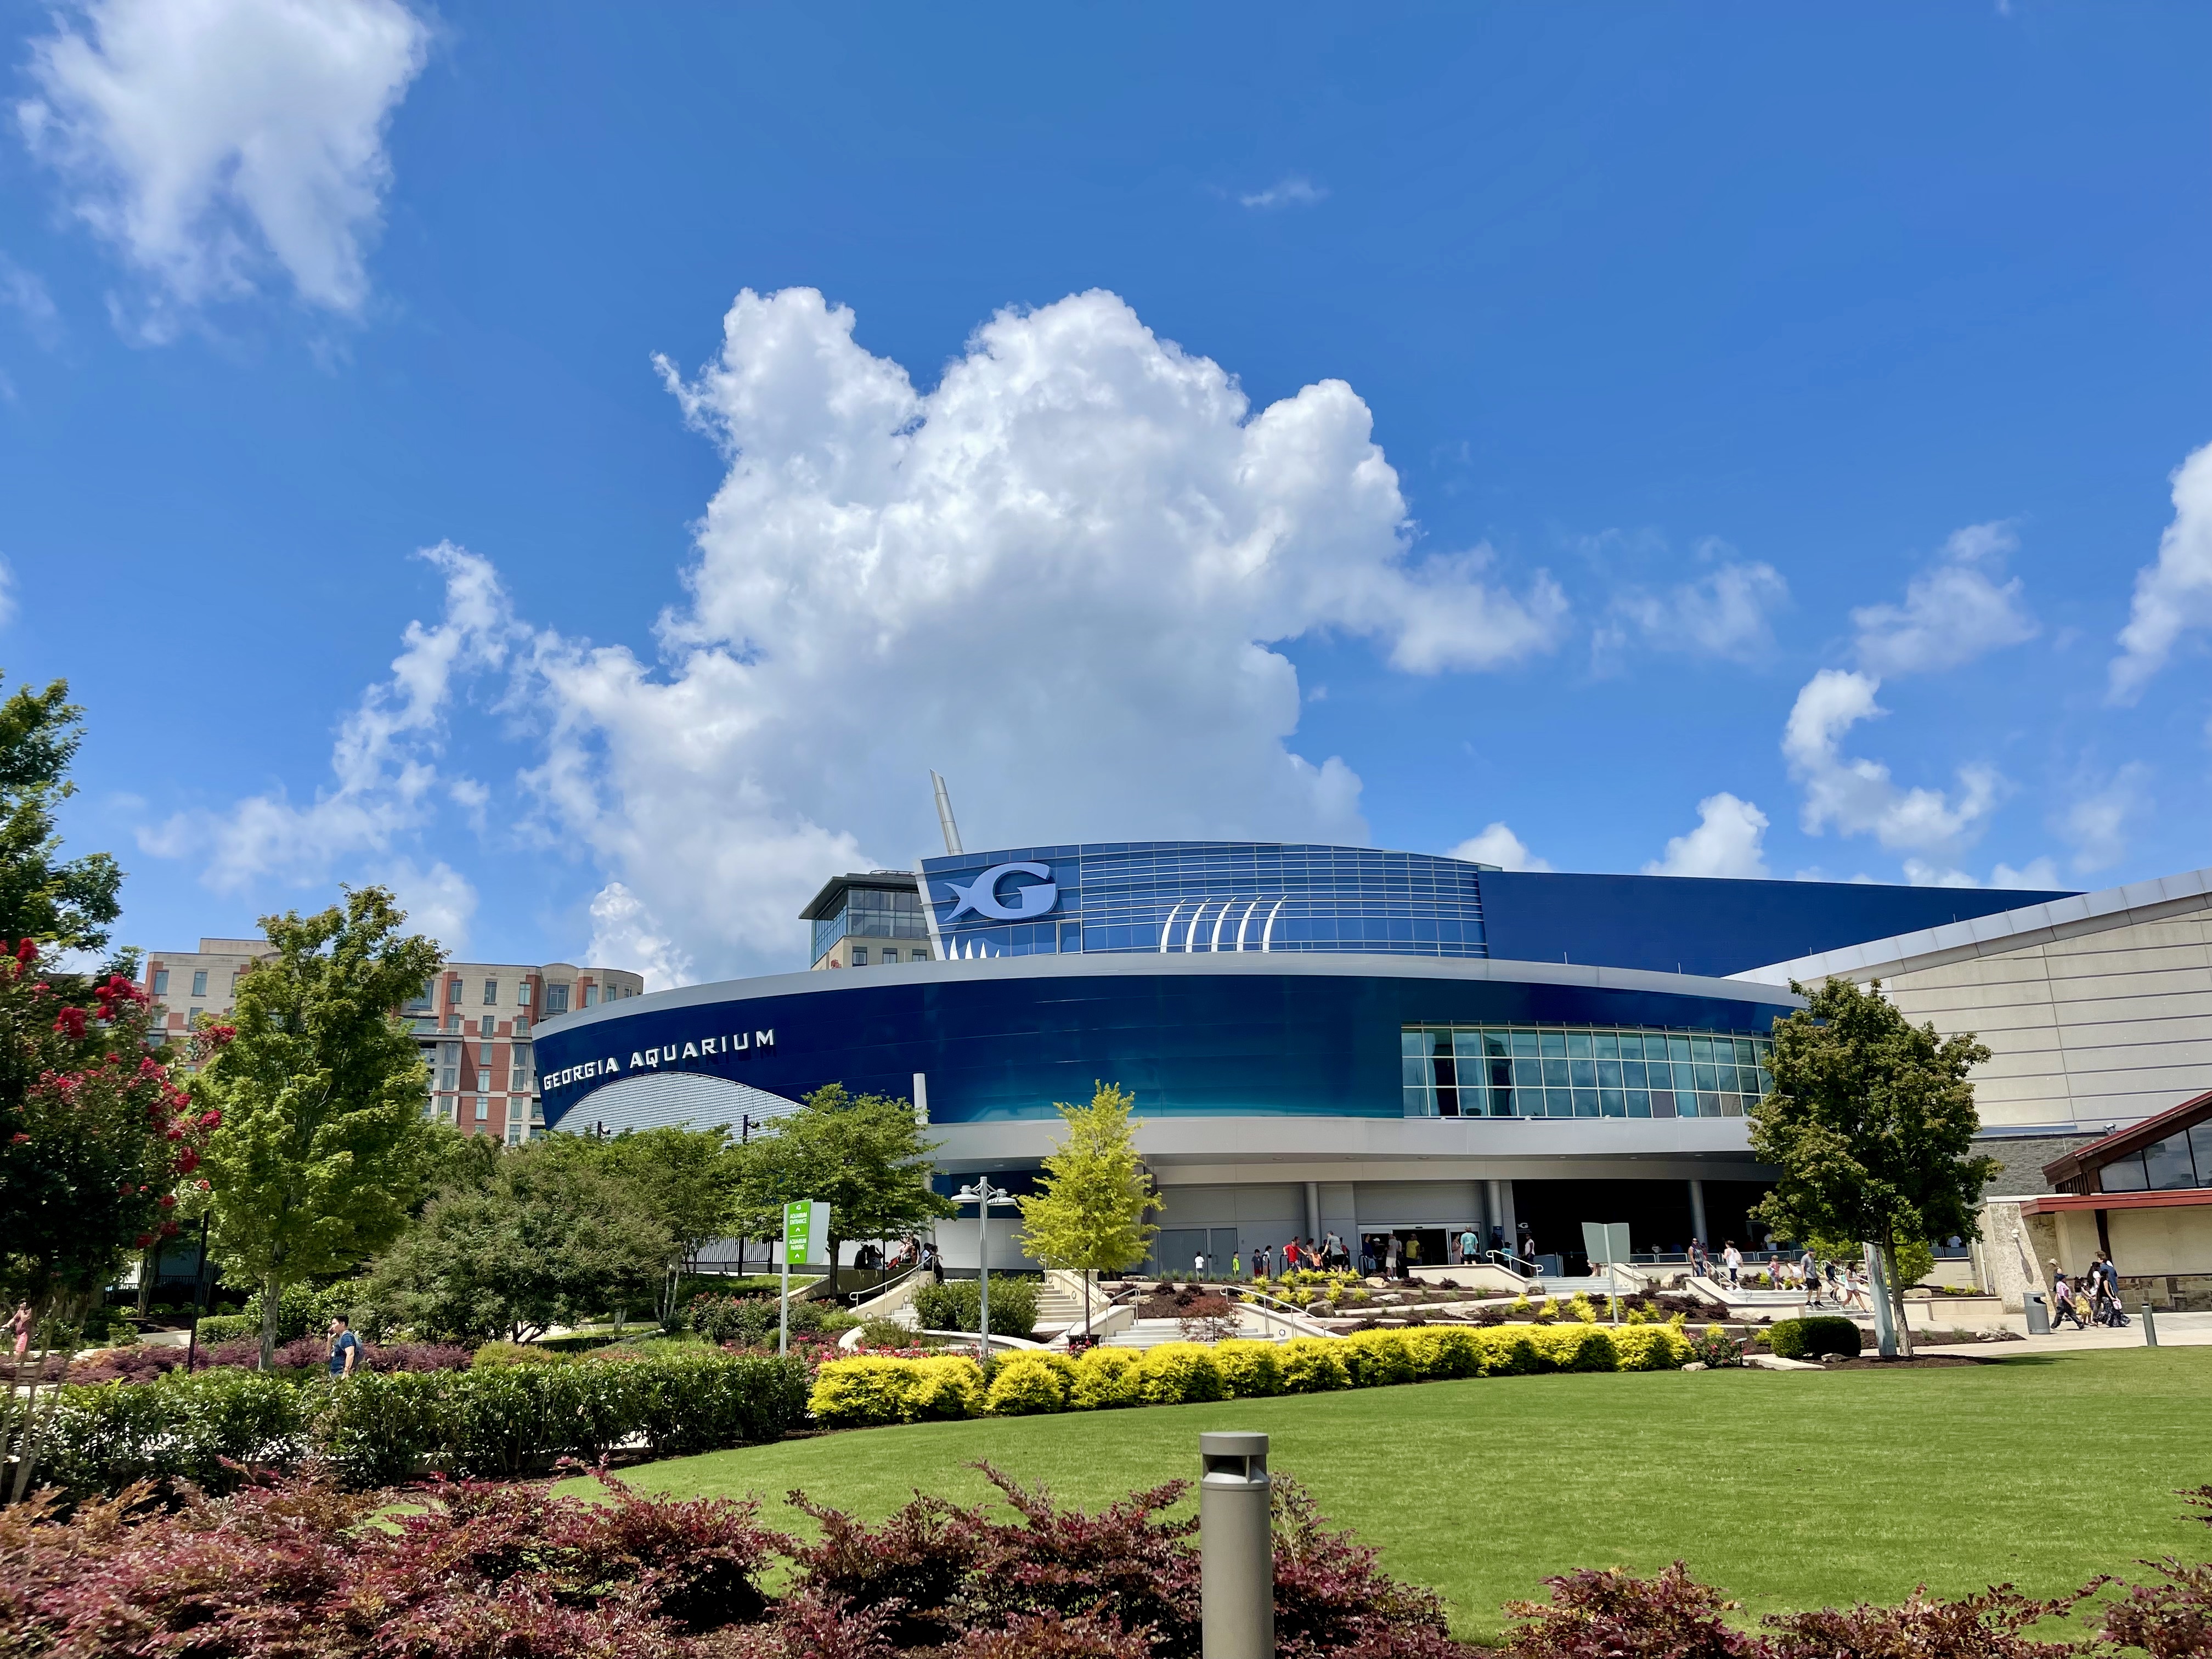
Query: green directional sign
[805,1231]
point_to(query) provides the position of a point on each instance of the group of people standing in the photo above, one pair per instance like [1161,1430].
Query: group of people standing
[1297,1256]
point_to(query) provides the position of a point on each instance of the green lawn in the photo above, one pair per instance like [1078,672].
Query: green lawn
[1787,1489]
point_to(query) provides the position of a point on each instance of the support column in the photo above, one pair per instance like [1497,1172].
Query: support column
[1313,1212]
[1502,1192]
[1698,1213]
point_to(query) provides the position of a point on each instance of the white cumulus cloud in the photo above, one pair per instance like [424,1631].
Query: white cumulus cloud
[1953,612]
[1499,846]
[1292,189]
[1058,578]
[439,901]
[2173,595]
[1857,796]
[1729,840]
[210,139]
[2096,823]
[2039,872]
[383,768]
[1727,613]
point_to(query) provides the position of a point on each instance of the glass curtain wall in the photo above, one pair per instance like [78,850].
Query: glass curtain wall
[1580,1070]
[1194,897]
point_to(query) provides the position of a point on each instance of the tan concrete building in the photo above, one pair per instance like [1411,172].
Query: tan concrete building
[2098,1012]
[473,1022]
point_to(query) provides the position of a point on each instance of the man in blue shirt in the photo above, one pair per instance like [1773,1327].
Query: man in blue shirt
[345,1347]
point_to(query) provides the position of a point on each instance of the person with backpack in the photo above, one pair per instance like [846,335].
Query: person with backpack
[2063,1304]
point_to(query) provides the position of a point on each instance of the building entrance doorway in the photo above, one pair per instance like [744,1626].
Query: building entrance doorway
[1416,1247]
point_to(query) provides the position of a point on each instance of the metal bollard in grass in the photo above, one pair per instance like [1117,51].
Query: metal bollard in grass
[1237,1547]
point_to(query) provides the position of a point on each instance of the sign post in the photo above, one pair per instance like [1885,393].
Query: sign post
[806,1224]
[1607,1242]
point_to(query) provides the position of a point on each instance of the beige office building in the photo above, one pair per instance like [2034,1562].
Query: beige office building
[473,1022]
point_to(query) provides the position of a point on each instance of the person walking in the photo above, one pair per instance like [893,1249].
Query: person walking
[1470,1247]
[2061,1298]
[1732,1259]
[1701,1265]
[1236,1265]
[344,1348]
[20,1324]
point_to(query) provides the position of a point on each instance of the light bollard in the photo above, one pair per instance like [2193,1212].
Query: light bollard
[1237,1547]
[2150,1327]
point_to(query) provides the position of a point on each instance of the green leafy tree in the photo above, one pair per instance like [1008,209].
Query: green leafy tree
[1093,1196]
[687,1180]
[548,1239]
[323,1142]
[863,1155]
[66,906]
[1871,1122]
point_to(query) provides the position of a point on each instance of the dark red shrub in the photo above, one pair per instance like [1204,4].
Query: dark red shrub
[1125,1564]
[697,1564]
[1048,1635]
[1332,1598]
[2166,1620]
[1985,1626]
[914,1567]
[1608,1614]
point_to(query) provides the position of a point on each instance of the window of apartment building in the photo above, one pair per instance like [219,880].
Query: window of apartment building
[199,981]
[514,1134]
[419,1004]
[861,956]
[485,1026]
[449,1078]
[522,993]
[556,998]
[452,990]
[160,982]
[484,1053]
[483,1109]
[591,995]
[520,1063]
[491,993]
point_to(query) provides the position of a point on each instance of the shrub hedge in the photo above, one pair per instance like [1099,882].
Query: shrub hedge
[1810,1337]
[877,1389]
[378,1428]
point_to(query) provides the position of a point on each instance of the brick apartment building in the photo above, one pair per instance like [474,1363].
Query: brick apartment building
[473,1023]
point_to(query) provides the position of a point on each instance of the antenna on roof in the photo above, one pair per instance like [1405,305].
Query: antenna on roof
[945,815]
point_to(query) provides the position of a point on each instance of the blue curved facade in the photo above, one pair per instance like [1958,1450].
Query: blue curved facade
[1388,1046]
[1001,1040]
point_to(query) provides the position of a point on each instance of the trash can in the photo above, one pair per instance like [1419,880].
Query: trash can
[2039,1314]
[1237,1547]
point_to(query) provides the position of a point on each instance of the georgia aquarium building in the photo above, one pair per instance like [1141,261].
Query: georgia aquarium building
[1319,1038]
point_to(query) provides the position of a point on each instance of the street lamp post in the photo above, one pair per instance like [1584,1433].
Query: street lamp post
[982,1195]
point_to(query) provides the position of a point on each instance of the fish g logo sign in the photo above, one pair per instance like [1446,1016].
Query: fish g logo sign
[981,895]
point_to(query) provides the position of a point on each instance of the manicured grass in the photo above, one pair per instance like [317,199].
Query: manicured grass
[1787,1489]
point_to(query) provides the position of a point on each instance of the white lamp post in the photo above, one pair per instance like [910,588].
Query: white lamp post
[982,1195]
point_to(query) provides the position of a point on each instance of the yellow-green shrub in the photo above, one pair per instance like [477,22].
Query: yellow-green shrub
[1651,1348]
[1510,1351]
[1249,1370]
[1315,1364]
[871,1390]
[1104,1378]
[1377,1358]
[1179,1373]
[1583,1308]
[1029,1384]
[1577,1347]
[1443,1351]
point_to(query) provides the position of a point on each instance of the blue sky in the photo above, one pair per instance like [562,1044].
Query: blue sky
[586,466]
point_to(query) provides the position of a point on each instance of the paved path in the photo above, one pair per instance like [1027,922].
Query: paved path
[2175,1330]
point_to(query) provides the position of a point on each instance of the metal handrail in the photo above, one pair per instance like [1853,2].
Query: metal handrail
[870,1293]
[1511,1263]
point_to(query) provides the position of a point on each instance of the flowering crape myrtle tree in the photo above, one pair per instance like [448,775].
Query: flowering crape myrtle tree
[323,1144]
[95,1139]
